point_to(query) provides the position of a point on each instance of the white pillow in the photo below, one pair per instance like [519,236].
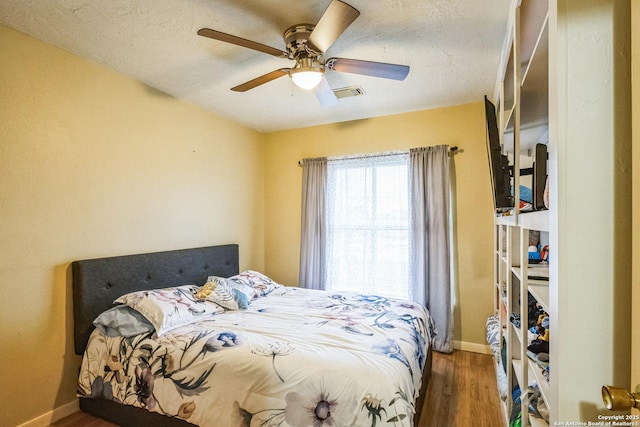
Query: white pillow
[261,284]
[169,308]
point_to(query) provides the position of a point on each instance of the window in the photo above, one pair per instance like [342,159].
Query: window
[368,223]
[380,225]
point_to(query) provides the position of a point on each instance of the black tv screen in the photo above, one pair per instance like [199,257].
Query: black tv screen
[539,176]
[498,162]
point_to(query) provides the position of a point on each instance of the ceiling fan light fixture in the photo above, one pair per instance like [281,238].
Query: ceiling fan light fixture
[306,79]
[307,74]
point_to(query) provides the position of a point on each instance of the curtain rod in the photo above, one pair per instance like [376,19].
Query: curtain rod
[453,150]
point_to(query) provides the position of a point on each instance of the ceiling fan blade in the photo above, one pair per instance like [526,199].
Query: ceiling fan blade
[325,94]
[261,80]
[239,41]
[333,22]
[368,68]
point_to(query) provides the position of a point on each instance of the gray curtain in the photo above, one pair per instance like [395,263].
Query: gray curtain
[313,230]
[431,278]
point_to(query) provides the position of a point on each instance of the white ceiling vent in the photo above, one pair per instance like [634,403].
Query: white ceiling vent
[346,92]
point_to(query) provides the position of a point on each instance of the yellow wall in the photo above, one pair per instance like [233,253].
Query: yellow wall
[463,126]
[94,164]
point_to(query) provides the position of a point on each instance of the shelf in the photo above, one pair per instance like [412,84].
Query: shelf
[517,271]
[539,53]
[534,104]
[538,273]
[508,83]
[537,220]
[506,117]
[540,292]
[523,87]
[537,422]
[506,220]
[542,382]
[516,331]
[534,94]
[517,368]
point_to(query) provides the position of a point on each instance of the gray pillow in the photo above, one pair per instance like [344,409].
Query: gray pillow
[122,321]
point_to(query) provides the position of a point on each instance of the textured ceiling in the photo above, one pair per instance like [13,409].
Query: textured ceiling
[452,46]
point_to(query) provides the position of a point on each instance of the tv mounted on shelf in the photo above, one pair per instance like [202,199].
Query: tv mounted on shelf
[498,162]
[539,176]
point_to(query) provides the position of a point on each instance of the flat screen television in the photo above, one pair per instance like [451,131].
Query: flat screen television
[498,162]
[539,176]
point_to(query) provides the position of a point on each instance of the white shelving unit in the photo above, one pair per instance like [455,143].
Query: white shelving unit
[523,113]
[564,76]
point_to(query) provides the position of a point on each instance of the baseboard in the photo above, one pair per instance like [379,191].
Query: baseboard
[472,347]
[50,417]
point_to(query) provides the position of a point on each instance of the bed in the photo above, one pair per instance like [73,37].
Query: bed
[291,357]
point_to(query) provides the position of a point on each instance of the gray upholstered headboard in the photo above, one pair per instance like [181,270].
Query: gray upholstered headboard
[97,282]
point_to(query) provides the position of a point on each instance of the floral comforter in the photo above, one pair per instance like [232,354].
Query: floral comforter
[295,358]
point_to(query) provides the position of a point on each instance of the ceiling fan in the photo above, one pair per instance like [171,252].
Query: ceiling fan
[306,43]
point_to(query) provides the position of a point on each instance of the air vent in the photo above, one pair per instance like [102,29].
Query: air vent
[346,92]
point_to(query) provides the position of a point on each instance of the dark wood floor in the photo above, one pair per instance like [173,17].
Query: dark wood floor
[462,392]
